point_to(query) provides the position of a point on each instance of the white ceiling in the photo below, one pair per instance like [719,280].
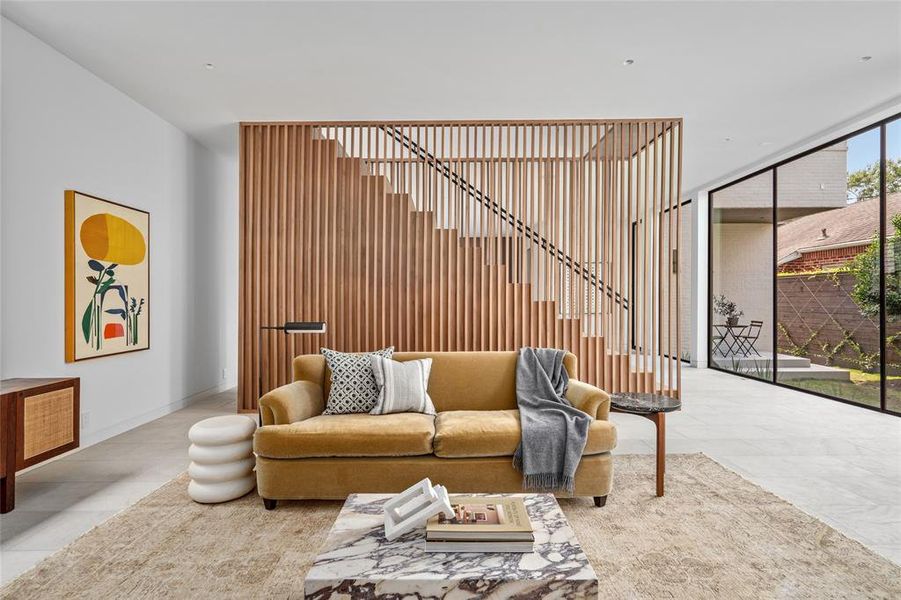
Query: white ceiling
[766,75]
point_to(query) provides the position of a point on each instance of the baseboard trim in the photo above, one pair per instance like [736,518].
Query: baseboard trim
[142,419]
[162,411]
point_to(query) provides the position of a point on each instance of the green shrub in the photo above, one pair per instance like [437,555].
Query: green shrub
[865,268]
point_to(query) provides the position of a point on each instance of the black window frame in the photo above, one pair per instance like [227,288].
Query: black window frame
[773,168]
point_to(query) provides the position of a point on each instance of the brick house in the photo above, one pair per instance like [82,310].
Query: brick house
[829,239]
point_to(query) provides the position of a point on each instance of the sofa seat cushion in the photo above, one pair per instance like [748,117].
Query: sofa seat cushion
[472,433]
[399,434]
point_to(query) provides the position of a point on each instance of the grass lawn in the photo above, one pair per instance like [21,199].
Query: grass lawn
[862,389]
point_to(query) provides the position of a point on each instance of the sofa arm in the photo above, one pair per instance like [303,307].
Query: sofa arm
[291,403]
[589,399]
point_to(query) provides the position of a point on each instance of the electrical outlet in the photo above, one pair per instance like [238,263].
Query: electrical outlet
[85,421]
[224,374]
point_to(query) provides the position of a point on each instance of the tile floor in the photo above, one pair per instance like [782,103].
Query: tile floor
[60,500]
[836,462]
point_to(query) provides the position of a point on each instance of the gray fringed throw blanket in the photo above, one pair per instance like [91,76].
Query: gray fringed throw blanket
[553,431]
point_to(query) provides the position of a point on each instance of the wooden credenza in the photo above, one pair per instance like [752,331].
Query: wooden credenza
[38,420]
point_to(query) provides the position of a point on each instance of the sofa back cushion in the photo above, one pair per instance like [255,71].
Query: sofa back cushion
[458,380]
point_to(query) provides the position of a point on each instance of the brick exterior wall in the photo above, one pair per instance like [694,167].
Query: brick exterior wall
[822,259]
[817,311]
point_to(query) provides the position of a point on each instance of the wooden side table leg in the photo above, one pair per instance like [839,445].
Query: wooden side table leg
[8,439]
[660,421]
[8,493]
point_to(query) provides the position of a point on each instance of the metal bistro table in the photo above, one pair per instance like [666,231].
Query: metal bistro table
[728,336]
[653,407]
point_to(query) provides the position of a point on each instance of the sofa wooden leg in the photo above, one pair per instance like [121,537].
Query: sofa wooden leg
[600,501]
[269,504]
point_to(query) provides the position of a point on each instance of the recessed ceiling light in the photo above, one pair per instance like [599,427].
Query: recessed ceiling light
[209,66]
[865,58]
[628,62]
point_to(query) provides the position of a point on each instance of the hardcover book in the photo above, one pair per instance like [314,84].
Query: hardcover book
[482,518]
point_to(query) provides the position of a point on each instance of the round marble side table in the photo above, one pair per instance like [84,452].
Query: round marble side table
[222,459]
[653,407]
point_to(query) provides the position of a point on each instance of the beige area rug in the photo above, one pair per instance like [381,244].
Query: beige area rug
[714,535]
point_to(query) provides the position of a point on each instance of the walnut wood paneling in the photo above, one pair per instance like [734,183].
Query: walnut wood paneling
[463,235]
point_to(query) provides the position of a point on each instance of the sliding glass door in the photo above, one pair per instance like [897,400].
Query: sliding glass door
[805,271]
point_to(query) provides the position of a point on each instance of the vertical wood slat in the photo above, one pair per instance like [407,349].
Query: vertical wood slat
[668,256]
[386,240]
[244,174]
[656,231]
[261,242]
[678,196]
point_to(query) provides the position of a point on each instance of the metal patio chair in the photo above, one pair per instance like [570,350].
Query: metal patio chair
[747,339]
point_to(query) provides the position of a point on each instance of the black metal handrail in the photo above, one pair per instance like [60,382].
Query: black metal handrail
[505,215]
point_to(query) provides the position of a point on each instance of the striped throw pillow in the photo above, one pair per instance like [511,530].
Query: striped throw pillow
[403,386]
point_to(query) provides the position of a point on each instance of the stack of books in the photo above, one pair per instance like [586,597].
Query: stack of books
[481,524]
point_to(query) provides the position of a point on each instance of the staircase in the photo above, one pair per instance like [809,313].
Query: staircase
[431,294]
[463,236]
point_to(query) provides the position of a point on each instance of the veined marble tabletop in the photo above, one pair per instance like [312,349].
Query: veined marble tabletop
[356,561]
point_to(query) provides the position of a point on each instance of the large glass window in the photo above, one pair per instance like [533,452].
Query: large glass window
[827,244]
[805,271]
[741,239]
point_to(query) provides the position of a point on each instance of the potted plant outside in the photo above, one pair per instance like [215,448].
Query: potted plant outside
[726,308]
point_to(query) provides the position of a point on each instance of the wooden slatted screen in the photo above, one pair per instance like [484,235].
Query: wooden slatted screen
[463,235]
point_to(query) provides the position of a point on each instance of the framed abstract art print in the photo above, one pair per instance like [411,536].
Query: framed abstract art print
[107,277]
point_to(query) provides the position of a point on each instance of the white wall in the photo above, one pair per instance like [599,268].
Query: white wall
[699,231]
[742,253]
[63,128]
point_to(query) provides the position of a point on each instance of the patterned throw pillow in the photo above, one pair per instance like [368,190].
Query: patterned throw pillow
[403,386]
[353,386]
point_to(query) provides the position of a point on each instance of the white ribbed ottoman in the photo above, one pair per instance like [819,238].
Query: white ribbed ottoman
[222,459]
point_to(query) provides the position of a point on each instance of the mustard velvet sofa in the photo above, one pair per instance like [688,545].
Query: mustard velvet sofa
[467,447]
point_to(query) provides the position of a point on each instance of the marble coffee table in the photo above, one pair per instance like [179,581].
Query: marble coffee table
[356,561]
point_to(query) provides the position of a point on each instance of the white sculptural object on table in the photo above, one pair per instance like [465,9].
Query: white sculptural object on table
[414,506]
